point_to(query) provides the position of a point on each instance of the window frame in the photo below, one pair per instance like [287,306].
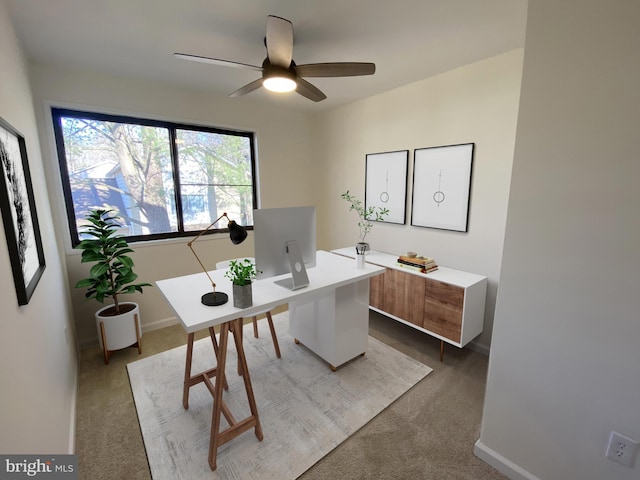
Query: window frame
[59,112]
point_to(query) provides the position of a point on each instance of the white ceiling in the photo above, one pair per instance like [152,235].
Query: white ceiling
[408,40]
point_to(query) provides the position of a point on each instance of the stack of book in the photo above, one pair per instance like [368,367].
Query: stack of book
[419,264]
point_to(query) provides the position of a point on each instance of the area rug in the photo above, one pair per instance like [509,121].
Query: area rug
[306,410]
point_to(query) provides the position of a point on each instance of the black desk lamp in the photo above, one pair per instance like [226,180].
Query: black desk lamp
[237,234]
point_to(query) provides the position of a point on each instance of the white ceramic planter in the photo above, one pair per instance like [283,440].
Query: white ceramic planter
[119,331]
[361,250]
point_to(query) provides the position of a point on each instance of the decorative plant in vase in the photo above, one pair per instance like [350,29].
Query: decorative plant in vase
[110,276]
[241,273]
[365,216]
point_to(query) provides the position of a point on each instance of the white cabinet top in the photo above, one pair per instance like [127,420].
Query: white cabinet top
[443,274]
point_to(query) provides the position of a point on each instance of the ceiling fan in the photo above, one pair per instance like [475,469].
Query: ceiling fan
[279,72]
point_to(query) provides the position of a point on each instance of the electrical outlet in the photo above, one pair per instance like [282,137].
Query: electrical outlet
[622,449]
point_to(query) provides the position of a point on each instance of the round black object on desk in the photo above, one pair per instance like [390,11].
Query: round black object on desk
[213,299]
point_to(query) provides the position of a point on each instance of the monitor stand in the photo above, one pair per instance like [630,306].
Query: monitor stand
[299,278]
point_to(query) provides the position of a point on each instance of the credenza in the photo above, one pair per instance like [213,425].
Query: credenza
[447,303]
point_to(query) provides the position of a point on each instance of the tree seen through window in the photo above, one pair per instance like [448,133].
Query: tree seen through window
[130,166]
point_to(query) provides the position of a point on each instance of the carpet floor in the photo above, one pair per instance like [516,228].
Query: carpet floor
[428,433]
[306,410]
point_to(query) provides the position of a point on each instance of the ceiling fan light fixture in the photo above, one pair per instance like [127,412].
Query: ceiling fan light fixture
[279,80]
[280,73]
[279,84]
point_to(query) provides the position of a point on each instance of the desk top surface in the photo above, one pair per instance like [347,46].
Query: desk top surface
[183,293]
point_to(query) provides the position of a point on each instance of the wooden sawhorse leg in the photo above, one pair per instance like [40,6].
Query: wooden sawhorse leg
[273,334]
[217,437]
[189,380]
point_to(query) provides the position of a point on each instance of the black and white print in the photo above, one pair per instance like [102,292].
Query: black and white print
[442,187]
[18,214]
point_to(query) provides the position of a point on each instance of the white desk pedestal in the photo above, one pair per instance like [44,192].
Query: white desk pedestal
[333,324]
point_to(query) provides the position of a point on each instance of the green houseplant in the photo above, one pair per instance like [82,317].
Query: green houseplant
[241,273]
[110,276]
[365,215]
[112,272]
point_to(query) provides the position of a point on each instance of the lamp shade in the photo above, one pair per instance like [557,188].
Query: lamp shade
[237,233]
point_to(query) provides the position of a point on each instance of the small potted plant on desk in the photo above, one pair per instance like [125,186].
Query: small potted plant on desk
[111,275]
[365,217]
[241,272]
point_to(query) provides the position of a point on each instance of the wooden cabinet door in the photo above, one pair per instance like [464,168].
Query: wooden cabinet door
[443,309]
[376,291]
[404,296]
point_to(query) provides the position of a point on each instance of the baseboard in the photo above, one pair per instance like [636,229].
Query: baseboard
[158,324]
[74,410]
[500,463]
[479,348]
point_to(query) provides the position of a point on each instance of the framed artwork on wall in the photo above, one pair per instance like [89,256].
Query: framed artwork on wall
[19,214]
[442,187]
[386,183]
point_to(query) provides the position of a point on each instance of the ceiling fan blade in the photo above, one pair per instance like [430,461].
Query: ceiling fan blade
[336,69]
[216,61]
[248,88]
[305,89]
[279,41]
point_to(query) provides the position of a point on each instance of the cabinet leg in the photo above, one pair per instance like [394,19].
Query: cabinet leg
[441,349]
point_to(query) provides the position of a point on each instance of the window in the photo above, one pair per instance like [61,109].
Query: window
[163,179]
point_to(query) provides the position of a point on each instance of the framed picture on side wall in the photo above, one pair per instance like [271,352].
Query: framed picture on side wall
[19,214]
[442,187]
[386,183]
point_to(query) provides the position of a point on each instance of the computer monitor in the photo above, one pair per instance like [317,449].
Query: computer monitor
[285,242]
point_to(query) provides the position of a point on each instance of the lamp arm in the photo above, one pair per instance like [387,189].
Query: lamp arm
[190,245]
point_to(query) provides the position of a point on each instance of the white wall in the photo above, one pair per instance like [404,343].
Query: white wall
[564,366]
[477,103]
[37,347]
[286,170]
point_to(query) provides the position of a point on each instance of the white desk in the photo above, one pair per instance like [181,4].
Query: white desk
[330,317]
